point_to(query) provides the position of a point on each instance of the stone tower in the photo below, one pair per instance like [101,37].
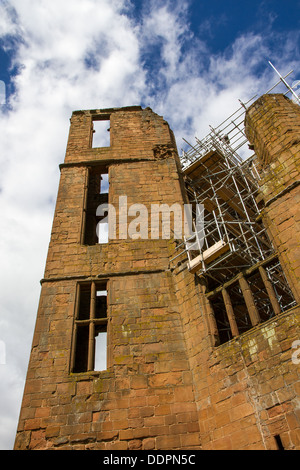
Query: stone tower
[170,379]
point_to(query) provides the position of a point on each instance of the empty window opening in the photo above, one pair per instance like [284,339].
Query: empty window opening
[82,348]
[104,183]
[101,350]
[90,331]
[101,133]
[95,217]
[101,303]
[278,442]
[84,302]
[102,228]
[280,285]
[248,300]
[231,313]
[101,331]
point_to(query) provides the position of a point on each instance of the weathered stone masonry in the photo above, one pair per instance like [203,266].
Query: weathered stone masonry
[168,385]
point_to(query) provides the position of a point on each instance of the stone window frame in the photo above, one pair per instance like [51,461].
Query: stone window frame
[93,323]
[105,117]
[92,200]
[241,281]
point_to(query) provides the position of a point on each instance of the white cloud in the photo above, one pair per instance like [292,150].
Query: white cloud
[57,38]
[7,24]
[202,88]
[165,26]
[84,55]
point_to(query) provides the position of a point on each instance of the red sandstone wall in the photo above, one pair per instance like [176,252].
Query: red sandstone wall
[167,386]
[145,398]
[273,126]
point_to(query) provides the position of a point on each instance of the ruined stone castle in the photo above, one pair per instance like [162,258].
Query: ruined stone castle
[200,333]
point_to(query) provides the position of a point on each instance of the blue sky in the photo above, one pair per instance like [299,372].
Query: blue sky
[189,60]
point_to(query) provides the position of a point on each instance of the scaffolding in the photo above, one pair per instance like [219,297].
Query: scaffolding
[233,236]
[231,131]
[222,183]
